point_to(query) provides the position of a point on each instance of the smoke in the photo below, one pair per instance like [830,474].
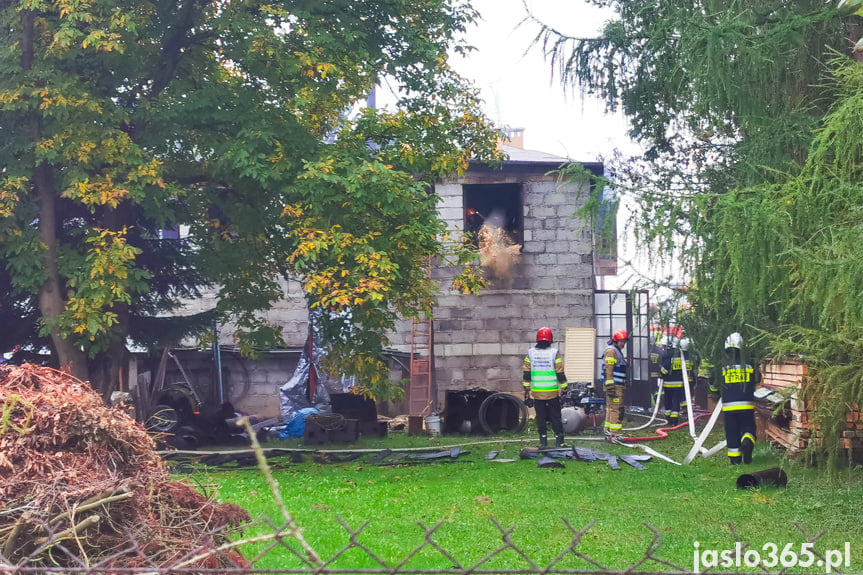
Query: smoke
[497,252]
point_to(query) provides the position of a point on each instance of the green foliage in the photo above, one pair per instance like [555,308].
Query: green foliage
[237,119]
[751,115]
[597,210]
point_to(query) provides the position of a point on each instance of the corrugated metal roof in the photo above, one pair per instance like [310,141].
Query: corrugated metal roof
[519,155]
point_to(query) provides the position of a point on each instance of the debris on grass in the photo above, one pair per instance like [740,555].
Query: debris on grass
[81,484]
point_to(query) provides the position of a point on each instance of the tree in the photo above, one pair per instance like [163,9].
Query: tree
[748,111]
[234,118]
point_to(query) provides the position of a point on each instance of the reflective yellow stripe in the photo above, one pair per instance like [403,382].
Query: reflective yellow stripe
[748,436]
[544,388]
[737,406]
[610,360]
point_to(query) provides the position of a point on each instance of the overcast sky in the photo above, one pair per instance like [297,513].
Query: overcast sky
[517,86]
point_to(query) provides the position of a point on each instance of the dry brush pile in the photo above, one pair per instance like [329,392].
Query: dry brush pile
[81,485]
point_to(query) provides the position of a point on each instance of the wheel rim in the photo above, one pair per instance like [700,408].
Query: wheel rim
[165,418]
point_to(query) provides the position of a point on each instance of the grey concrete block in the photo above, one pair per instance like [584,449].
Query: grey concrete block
[486,348]
[513,349]
[560,246]
[486,336]
[458,349]
[451,200]
[544,235]
[496,324]
[453,216]
[542,212]
[444,190]
[534,247]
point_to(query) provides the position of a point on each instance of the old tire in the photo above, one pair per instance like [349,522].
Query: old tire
[502,411]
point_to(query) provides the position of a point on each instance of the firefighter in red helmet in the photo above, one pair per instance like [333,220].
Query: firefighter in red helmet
[544,378]
[614,377]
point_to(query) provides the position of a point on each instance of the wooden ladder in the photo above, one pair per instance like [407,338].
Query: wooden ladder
[420,392]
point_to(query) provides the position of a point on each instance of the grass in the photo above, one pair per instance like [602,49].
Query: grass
[684,504]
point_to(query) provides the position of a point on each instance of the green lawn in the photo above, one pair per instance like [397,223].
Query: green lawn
[684,504]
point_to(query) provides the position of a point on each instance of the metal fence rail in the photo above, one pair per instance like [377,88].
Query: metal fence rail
[293,554]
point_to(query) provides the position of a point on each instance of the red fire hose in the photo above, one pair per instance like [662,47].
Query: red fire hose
[661,432]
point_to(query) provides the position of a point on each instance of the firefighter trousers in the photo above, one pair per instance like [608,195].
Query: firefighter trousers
[548,410]
[739,428]
[614,408]
[673,397]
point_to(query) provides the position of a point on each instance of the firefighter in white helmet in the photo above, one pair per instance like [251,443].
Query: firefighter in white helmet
[738,401]
[672,377]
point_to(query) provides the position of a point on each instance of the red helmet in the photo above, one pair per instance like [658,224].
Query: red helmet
[543,334]
[619,335]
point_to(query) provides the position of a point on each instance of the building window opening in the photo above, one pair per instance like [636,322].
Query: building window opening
[497,206]
[493,222]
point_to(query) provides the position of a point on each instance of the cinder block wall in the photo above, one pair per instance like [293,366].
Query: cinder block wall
[482,340]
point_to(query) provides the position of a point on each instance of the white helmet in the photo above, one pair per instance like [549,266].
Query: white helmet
[734,341]
[664,341]
[684,343]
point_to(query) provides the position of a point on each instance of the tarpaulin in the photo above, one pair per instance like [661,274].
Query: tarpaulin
[309,385]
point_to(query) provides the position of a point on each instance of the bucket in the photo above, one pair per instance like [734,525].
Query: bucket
[433,425]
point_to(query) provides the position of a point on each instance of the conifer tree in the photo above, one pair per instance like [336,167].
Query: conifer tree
[749,115]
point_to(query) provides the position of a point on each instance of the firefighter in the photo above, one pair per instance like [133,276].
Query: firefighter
[544,379]
[614,377]
[672,380]
[738,401]
[672,377]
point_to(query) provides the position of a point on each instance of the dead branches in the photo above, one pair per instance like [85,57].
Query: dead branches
[78,474]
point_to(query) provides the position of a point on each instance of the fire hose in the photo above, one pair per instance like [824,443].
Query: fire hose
[661,433]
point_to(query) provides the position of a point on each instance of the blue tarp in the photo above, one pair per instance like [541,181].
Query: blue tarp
[296,427]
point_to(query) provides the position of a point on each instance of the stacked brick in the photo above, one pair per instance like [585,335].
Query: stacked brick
[852,437]
[791,426]
[784,418]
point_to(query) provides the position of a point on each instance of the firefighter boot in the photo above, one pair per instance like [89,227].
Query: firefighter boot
[672,421]
[559,441]
[543,441]
[746,447]
[734,460]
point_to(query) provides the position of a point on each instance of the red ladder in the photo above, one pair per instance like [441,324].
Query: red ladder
[420,392]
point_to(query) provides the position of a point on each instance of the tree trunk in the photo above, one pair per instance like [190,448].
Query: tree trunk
[51,302]
[106,369]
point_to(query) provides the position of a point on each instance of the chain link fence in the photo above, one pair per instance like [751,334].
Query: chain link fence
[284,549]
